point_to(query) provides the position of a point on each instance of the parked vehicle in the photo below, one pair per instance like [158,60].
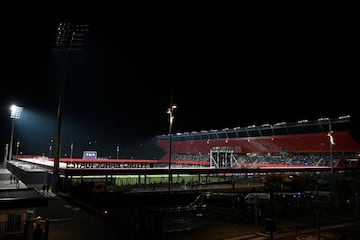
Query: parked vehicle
[224,205]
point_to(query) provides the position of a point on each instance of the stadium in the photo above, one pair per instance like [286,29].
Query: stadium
[323,142]
[322,145]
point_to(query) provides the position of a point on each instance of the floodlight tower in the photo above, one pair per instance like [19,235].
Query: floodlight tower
[15,113]
[69,37]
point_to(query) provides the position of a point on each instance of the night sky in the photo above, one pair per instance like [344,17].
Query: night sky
[224,66]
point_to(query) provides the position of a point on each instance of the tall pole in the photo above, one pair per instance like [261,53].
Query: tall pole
[331,143]
[11,138]
[17,146]
[69,37]
[57,147]
[117,151]
[317,210]
[169,165]
[71,149]
[170,111]
[50,148]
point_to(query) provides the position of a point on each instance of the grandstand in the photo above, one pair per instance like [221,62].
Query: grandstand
[321,142]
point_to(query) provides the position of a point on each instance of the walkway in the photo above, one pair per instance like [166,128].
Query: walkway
[9,181]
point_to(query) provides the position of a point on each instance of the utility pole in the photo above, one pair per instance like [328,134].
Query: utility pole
[69,37]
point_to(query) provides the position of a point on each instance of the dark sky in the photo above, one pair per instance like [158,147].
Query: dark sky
[225,65]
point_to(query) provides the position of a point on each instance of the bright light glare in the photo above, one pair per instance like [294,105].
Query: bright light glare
[15,111]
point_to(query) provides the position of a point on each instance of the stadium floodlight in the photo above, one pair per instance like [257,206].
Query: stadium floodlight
[170,111]
[303,121]
[323,119]
[344,117]
[69,37]
[15,113]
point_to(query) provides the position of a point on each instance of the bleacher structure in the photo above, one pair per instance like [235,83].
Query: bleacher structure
[329,139]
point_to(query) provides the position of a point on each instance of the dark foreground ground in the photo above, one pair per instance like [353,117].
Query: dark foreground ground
[73,219]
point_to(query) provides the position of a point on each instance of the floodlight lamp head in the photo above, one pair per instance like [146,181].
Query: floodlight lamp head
[15,111]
